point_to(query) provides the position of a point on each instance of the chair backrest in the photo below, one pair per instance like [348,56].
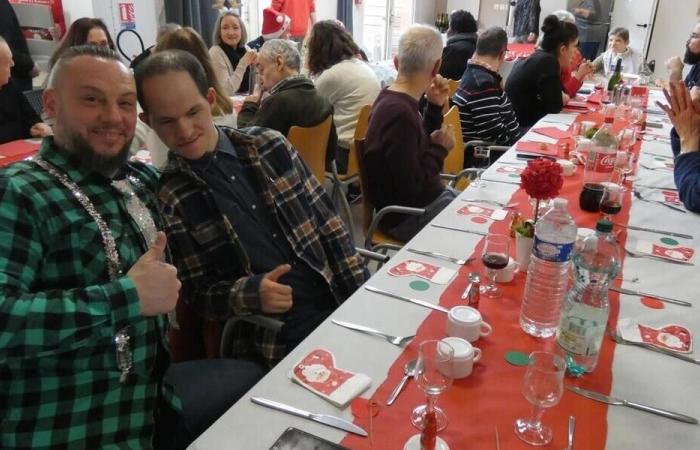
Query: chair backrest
[34,97]
[360,133]
[312,143]
[452,86]
[367,206]
[454,162]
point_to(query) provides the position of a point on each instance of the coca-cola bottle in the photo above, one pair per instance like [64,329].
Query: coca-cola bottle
[600,162]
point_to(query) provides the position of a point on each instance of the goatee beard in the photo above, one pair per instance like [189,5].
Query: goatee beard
[107,166]
[690,57]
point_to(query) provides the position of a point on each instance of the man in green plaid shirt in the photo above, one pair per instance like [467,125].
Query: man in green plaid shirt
[63,384]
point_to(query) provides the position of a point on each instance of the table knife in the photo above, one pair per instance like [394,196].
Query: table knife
[646,294]
[331,421]
[654,230]
[407,299]
[610,400]
[463,230]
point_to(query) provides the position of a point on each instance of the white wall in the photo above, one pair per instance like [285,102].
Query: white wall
[75,9]
[674,23]
[424,10]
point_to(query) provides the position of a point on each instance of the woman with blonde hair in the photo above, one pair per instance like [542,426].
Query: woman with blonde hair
[187,39]
[229,54]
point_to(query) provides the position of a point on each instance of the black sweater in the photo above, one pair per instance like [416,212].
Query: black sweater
[16,114]
[534,87]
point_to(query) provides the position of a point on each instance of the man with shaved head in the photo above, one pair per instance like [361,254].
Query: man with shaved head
[84,287]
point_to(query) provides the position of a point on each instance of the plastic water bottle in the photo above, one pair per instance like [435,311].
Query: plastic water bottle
[584,316]
[548,272]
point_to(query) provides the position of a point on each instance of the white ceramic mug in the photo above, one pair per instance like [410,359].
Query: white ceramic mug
[466,323]
[465,355]
[567,167]
[506,274]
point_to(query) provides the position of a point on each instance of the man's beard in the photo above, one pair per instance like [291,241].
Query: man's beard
[690,57]
[106,166]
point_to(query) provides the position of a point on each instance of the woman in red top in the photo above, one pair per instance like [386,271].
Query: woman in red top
[572,76]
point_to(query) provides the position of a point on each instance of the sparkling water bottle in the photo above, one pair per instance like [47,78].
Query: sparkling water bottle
[584,316]
[548,272]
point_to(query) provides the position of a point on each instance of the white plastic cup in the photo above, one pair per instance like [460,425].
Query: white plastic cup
[466,323]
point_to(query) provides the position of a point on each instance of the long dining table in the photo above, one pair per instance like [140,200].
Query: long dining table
[482,408]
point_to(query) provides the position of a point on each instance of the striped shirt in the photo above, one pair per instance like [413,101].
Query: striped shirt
[485,113]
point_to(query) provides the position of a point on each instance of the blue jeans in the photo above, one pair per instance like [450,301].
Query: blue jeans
[207,389]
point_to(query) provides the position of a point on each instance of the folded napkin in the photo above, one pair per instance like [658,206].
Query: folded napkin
[552,132]
[317,372]
[539,148]
[670,337]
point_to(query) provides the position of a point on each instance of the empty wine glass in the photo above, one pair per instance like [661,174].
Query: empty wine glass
[494,257]
[627,137]
[482,159]
[624,165]
[543,385]
[611,201]
[433,376]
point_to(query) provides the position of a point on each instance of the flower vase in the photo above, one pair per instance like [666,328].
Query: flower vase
[523,250]
[542,207]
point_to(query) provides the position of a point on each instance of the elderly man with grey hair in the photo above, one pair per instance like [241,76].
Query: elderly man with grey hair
[288,98]
[405,148]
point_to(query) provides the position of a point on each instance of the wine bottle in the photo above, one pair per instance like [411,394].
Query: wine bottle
[616,76]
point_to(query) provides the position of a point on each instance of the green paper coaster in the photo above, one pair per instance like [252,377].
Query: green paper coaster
[514,175]
[668,241]
[517,358]
[419,285]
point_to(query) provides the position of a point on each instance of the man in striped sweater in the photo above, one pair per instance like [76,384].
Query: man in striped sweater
[485,112]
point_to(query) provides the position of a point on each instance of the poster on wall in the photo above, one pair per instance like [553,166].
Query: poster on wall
[127,16]
[54,33]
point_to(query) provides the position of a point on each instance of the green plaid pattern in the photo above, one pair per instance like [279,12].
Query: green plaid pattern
[59,380]
[212,263]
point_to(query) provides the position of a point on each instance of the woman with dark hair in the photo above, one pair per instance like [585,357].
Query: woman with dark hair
[347,82]
[461,43]
[534,85]
[189,40]
[231,57]
[86,30]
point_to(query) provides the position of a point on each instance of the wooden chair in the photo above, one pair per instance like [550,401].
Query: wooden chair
[453,166]
[375,239]
[452,86]
[311,143]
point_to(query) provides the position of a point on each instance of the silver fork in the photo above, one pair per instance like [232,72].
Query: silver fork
[491,202]
[457,261]
[668,205]
[632,254]
[390,338]
[620,340]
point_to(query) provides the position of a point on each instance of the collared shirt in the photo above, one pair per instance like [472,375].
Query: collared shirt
[259,232]
[213,265]
[59,312]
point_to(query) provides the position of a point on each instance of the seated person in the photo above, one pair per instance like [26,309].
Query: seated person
[618,48]
[485,112]
[250,229]
[18,120]
[275,26]
[534,85]
[83,31]
[573,75]
[684,113]
[675,65]
[231,57]
[404,151]
[461,43]
[292,98]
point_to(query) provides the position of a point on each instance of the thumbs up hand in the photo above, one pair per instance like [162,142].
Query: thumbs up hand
[156,282]
[275,297]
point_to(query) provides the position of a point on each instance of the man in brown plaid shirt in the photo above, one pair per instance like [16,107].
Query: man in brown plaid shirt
[250,229]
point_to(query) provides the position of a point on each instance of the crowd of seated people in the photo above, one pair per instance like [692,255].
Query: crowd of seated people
[228,222]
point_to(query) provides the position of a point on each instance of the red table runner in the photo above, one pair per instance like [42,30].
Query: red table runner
[16,151]
[491,396]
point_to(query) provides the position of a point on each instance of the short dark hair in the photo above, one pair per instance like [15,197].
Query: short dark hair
[462,21]
[328,45]
[167,61]
[621,32]
[557,33]
[71,53]
[492,42]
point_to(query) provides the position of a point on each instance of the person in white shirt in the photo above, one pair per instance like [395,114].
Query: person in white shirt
[618,48]
[341,77]
[229,54]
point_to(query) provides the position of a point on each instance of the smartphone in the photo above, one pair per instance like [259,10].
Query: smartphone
[296,439]
[584,91]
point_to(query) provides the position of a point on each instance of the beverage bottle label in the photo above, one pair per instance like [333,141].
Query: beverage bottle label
[581,329]
[552,252]
[603,162]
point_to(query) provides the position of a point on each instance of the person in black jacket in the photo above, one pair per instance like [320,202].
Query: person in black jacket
[461,43]
[291,98]
[17,118]
[534,85]
[24,69]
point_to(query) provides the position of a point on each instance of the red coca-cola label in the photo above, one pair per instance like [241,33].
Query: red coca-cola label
[602,162]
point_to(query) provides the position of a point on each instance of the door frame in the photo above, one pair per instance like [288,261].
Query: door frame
[652,25]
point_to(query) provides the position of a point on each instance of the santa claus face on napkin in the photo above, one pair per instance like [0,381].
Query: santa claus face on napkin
[671,337]
[677,253]
[430,272]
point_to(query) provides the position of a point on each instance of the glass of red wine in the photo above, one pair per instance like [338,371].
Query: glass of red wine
[611,201]
[494,257]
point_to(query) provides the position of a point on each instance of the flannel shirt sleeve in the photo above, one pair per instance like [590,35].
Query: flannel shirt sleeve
[348,267]
[213,297]
[34,322]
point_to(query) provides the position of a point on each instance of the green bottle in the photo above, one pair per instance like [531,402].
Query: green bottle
[616,76]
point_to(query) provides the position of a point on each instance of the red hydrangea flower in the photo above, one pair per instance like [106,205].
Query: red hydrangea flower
[542,179]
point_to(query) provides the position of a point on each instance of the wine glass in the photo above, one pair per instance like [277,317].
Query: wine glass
[482,159]
[543,385]
[494,257]
[627,137]
[611,201]
[624,165]
[433,376]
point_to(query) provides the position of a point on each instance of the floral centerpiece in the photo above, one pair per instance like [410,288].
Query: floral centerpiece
[542,180]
